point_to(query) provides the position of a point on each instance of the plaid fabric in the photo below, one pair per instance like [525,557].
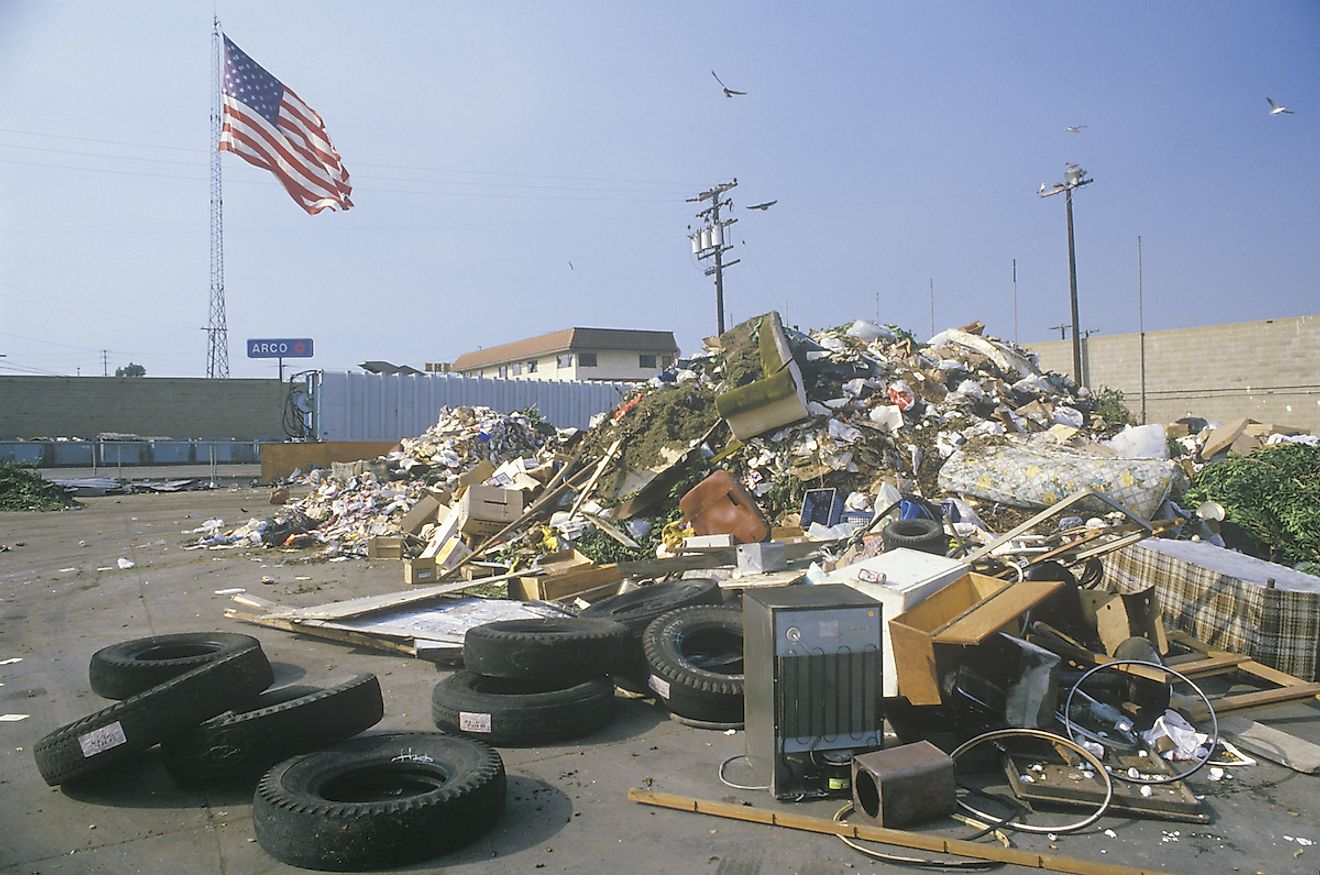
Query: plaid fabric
[1278,627]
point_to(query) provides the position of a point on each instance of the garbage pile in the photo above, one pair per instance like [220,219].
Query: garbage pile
[353,502]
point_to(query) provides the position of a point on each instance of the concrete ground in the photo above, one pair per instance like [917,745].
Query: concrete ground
[64,596]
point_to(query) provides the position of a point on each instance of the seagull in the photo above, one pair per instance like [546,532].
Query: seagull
[763,207]
[728,92]
[1275,109]
[571,267]
[1074,129]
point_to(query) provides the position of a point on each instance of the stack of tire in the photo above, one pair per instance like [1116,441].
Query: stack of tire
[323,802]
[684,647]
[526,682]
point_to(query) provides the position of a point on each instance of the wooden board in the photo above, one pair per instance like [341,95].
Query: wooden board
[996,612]
[764,581]
[280,460]
[1272,744]
[1195,708]
[1057,786]
[350,608]
[902,838]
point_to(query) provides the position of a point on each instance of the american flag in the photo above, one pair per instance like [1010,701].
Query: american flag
[269,126]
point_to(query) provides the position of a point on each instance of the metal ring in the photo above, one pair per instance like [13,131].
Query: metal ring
[1053,739]
[1166,779]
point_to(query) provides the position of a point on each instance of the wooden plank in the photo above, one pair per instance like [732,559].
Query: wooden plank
[591,484]
[323,630]
[765,580]
[996,612]
[1272,744]
[280,460]
[1195,709]
[359,607]
[884,835]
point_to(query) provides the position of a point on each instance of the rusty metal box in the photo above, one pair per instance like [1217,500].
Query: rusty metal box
[903,785]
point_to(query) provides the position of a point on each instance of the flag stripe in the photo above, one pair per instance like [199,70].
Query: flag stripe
[280,150]
[266,124]
[247,149]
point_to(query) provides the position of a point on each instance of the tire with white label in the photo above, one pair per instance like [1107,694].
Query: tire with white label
[563,648]
[379,801]
[247,740]
[129,667]
[505,711]
[695,656]
[135,724]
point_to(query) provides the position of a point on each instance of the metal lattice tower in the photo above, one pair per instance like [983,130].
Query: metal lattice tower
[217,332]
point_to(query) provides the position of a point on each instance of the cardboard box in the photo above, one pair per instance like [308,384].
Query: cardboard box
[484,510]
[385,547]
[426,510]
[569,573]
[477,474]
[419,571]
[898,579]
[761,558]
[964,612]
[448,557]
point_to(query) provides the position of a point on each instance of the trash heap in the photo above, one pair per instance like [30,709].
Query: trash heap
[350,503]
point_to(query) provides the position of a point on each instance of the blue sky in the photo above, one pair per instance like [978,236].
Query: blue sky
[491,144]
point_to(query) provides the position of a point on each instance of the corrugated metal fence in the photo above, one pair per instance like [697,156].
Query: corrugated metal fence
[351,406]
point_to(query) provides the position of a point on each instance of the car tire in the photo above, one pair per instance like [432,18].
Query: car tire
[563,648]
[129,667]
[138,722]
[379,801]
[695,656]
[504,711]
[917,534]
[637,608]
[276,725]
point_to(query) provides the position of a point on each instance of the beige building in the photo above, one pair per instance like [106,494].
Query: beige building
[614,354]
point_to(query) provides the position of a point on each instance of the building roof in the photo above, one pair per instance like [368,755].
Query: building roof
[568,340]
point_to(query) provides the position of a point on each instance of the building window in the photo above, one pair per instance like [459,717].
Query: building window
[517,369]
[586,360]
[531,366]
[504,372]
[646,360]
[564,360]
[666,361]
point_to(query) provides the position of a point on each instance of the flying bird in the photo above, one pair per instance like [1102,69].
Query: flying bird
[763,207]
[571,267]
[1275,109]
[1074,129]
[728,92]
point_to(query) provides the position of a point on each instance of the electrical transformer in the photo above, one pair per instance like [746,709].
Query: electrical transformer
[812,664]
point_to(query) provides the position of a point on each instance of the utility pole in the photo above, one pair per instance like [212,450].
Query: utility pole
[1062,329]
[932,306]
[1141,328]
[217,332]
[1074,177]
[105,363]
[708,241]
[1015,319]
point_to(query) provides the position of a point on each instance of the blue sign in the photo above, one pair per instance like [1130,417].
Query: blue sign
[279,348]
